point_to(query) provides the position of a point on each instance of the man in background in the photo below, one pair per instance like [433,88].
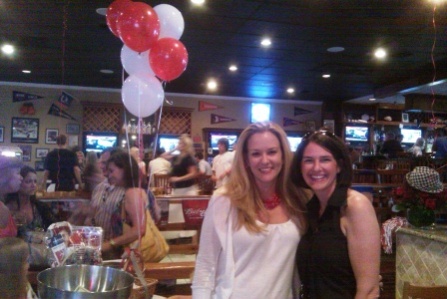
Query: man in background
[61,167]
[391,146]
[159,165]
[204,166]
[222,163]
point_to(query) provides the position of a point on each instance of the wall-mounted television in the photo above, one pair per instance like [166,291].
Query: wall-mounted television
[98,141]
[215,136]
[168,142]
[410,135]
[356,133]
[294,142]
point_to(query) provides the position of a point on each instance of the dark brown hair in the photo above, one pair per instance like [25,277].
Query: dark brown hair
[126,162]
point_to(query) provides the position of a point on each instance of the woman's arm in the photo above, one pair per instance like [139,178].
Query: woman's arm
[362,231]
[135,202]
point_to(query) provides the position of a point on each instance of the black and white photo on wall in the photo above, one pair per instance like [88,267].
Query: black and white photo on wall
[51,135]
[24,130]
[26,152]
[41,153]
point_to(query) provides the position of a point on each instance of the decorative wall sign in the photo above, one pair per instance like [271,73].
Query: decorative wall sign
[18,96]
[57,111]
[41,153]
[204,106]
[65,99]
[290,122]
[26,152]
[216,119]
[24,130]
[300,111]
[73,128]
[51,135]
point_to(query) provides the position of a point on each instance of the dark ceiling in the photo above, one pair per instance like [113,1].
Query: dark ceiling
[67,42]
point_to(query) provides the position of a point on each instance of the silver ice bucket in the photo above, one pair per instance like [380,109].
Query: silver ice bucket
[84,281]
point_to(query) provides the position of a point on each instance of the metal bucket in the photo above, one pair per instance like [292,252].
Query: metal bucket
[84,281]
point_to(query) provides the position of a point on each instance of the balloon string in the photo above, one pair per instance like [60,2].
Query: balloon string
[434,67]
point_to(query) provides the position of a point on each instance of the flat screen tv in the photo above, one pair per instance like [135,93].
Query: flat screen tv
[294,142]
[97,142]
[214,137]
[168,142]
[356,133]
[410,135]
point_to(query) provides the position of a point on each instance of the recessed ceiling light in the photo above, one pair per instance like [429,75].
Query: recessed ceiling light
[335,49]
[266,42]
[101,11]
[26,71]
[290,90]
[8,49]
[233,68]
[199,2]
[211,85]
[326,75]
[106,71]
[380,53]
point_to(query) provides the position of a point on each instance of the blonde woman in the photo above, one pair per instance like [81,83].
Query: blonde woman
[184,167]
[253,224]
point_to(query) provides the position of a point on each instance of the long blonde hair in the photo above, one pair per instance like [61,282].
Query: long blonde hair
[13,267]
[188,148]
[243,191]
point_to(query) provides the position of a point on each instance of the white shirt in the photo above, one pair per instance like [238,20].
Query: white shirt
[159,166]
[241,265]
[221,164]
[205,167]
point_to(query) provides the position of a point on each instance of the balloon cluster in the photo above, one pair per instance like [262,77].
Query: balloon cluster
[151,49]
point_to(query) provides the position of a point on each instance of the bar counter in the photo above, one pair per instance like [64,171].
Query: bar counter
[421,257]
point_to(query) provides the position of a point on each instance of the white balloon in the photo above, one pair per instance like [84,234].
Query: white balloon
[134,62]
[171,21]
[142,95]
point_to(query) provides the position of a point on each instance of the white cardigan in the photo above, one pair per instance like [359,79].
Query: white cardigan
[215,265]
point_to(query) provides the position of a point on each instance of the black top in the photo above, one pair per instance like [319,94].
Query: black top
[180,166]
[60,163]
[322,256]
[391,147]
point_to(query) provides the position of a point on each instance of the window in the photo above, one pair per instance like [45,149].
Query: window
[260,112]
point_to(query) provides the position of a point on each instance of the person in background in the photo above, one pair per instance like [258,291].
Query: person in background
[204,166]
[391,146]
[123,172]
[10,182]
[159,165]
[253,224]
[184,168]
[81,159]
[418,148]
[222,163]
[339,255]
[24,205]
[14,284]
[440,144]
[135,153]
[93,174]
[62,167]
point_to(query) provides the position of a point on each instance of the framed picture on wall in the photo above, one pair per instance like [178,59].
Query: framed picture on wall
[73,128]
[41,153]
[73,140]
[405,117]
[26,152]
[39,165]
[24,130]
[51,135]
[2,133]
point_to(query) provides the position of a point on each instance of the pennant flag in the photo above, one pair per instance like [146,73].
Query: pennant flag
[203,106]
[215,119]
[18,96]
[299,111]
[55,110]
[65,99]
[290,122]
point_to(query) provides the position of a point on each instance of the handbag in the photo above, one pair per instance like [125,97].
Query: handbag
[153,246]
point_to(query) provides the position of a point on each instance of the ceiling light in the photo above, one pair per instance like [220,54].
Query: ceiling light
[211,85]
[335,49]
[26,71]
[106,71]
[199,2]
[233,68]
[372,99]
[290,90]
[326,75]
[7,49]
[380,53]
[101,11]
[266,42]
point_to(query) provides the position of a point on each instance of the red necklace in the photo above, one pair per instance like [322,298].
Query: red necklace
[272,202]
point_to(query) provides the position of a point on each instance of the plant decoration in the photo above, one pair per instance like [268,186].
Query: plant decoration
[421,194]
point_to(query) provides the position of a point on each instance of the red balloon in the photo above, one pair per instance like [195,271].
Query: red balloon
[138,26]
[168,58]
[113,11]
